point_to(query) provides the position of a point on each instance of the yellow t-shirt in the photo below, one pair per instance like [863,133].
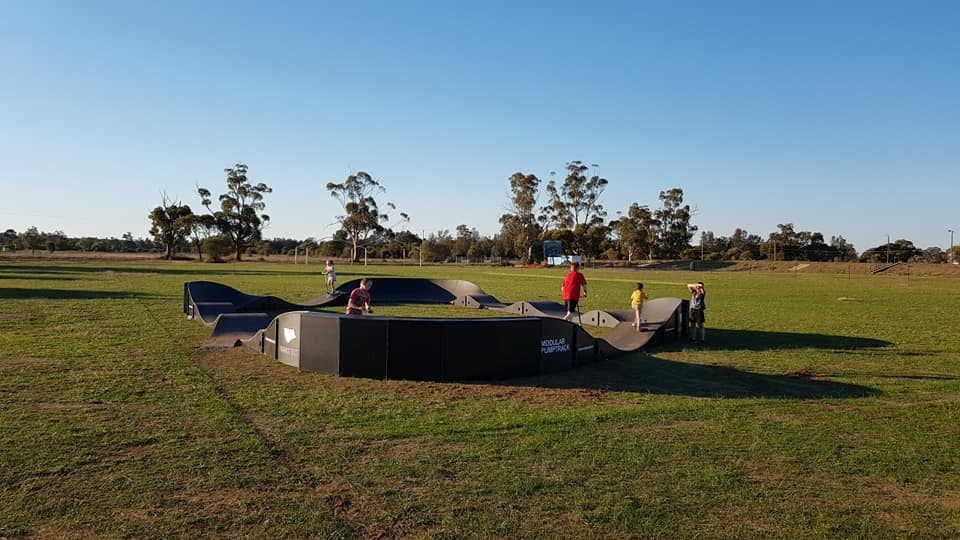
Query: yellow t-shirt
[637,298]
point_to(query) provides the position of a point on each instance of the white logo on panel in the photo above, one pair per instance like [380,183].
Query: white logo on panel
[289,334]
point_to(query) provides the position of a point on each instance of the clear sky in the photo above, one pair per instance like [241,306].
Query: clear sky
[840,117]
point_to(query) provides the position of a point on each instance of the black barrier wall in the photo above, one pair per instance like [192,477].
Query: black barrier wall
[425,349]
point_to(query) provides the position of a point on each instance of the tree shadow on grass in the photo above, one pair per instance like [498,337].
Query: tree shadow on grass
[67,294]
[38,278]
[214,270]
[647,374]
[755,340]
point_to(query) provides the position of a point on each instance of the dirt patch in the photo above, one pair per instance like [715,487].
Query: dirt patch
[27,362]
[399,451]
[911,494]
[8,317]
[806,373]
[69,406]
[776,417]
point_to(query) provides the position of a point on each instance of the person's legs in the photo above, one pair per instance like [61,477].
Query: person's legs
[636,316]
[696,325]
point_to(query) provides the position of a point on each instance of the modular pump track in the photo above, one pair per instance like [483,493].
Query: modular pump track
[535,341]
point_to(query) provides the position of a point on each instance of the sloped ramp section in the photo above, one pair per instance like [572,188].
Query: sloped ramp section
[414,290]
[232,329]
[207,301]
[665,318]
[625,338]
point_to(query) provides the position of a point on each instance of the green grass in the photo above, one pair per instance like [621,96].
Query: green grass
[823,406]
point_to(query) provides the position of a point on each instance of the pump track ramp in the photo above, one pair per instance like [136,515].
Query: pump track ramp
[238,318]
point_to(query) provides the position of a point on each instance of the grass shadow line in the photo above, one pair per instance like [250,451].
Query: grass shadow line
[20,293]
[649,374]
[757,340]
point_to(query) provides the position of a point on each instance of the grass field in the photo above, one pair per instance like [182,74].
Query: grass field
[824,405]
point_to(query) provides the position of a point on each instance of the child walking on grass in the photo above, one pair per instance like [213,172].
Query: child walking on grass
[636,302]
[331,273]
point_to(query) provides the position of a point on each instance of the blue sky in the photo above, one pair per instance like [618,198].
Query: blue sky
[839,117]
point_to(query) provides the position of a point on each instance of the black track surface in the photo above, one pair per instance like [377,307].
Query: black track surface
[237,316]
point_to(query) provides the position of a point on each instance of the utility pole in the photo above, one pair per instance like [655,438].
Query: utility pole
[950,253]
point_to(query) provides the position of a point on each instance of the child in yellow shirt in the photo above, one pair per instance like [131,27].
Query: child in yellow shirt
[636,302]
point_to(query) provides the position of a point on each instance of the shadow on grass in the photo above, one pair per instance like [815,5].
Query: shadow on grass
[755,340]
[652,375]
[647,373]
[67,294]
[25,277]
[214,270]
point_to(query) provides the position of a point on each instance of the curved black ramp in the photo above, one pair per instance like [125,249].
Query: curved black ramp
[664,316]
[231,329]
[661,310]
[415,290]
[625,338]
[207,301]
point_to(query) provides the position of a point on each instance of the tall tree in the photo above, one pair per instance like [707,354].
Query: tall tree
[844,248]
[172,224]
[675,228]
[31,239]
[361,215]
[9,239]
[240,216]
[520,225]
[898,251]
[636,231]
[577,200]
[201,227]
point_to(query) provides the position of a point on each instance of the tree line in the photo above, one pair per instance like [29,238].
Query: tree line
[572,211]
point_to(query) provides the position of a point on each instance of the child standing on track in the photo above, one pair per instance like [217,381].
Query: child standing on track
[331,273]
[636,302]
[360,299]
[574,287]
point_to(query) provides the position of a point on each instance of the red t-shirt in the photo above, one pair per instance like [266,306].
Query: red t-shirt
[359,297]
[572,284]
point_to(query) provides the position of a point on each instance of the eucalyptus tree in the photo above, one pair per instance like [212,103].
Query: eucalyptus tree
[172,223]
[520,225]
[636,230]
[362,215]
[675,230]
[240,215]
[577,200]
